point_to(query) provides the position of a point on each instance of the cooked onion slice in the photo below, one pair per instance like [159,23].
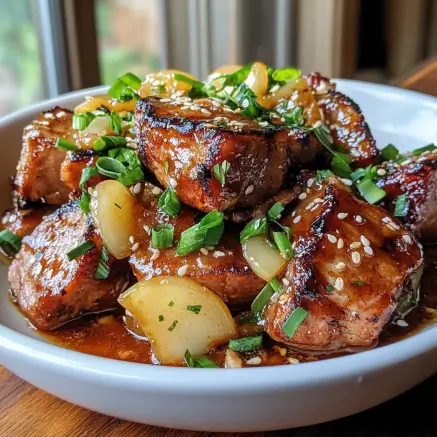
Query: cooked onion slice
[258,79]
[264,260]
[177,314]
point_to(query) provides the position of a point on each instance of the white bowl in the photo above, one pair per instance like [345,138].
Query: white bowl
[252,399]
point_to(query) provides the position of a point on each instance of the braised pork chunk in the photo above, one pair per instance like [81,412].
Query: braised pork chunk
[38,171]
[22,222]
[52,290]
[352,263]
[182,141]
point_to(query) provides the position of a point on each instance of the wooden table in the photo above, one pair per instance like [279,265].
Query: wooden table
[26,411]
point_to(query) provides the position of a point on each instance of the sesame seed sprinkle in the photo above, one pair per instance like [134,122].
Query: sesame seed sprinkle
[286,282]
[209,247]
[310,205]
[342,215]
[218,254]
[317,124]
[297,219]
[156,191]
[146,229]
[356,258]
[204,251]
[358,219]
[310,182]
[332,238]
[183,270]
[131,239]
[381,172]
[302,196]
[368,250]
[205,111]
[355,245]
[340,266]
[249,189]
[364,240]
[136,188]
[255,361]
[135,246]
[407,239]
[346,182]
[315,207]
[173,182]
[340,243]
[339,284]
[402,323]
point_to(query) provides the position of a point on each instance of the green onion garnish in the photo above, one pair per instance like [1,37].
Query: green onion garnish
[66,145]
[322,175]
[286,74]
[329,288]
[246,344]
[162,236]
[255,227]
[265,295]
[110,167]
[220,171]
[194,308]
[9,242]
[173,326]
[400,206]
[294,320]
[80,250]
[169,202]
[198,361]
[358,283]
[283,243]
[115,122]
[389,152]
[108,142]
[420,150]
[87,173]
[370,191]
[124,87]
[274,211]
[161,318]
[295,117]
[102,271]
[82,121]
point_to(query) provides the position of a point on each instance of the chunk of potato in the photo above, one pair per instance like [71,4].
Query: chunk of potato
[177,314]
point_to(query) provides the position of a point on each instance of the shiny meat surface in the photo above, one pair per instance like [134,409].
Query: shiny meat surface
[352,263]
[222,269]
[38,171]
[52,290]
[416,177]
[182,140]
[22,222]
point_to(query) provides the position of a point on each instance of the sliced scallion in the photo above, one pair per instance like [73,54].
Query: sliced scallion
[274,211]
[286,74]
[108,142]
[295,117]
[87,173]
[66,145]
[220,171]
[82,121]
[173,325]
[102,271]
[294,320]
[283,243]
[110,167]
[115,122]
[257,226]
[420,150]
[400,205]
[389,152]
[198,361]
[263,297]
[169,202]
[246,344]
[162,236]
[370,191]
[194,308]
[10,242]
[80,250]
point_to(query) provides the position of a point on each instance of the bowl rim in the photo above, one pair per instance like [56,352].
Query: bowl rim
[117,373]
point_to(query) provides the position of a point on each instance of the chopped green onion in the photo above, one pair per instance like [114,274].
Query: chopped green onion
[276,285]
[286,74]
[115,122]
[358,283]
[162,236]
[246,344]
[284,245]
[87,173]
[370,191]
[194,308]
[102,271]
[247,101]
[66,145]
[110,167]
[264,296]
[220,171]
[194,83]
[294,320]
[158,89]
[329,288]
[80,250]
[173,326]
[161,318]
[171,303]
[169,202]
[131,80]
[274,211]
[9,242]
[255,227]
[295,117]
[389,152]
[322,175]
[108,142]
[400,206]
[124,87]
[190,241]
[82,121]
[198,361]
[420,150]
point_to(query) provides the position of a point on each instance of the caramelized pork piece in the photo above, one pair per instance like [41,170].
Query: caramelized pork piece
[182,141]
[52,290]
[22,222]
[38,171]
[221,269]
[416,178]
[343,116]
[352,264]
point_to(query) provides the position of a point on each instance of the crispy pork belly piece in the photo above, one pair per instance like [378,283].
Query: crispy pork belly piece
[22,222]
[416,178]
[52,290]
[222,269]
[352,263]
[38,171]
[182,140]
[343,116]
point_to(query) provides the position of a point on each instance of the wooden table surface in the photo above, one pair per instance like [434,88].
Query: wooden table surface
[26,411]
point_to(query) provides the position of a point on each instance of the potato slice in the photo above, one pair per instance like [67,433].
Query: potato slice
[177,314]
[113,212]
[264,260]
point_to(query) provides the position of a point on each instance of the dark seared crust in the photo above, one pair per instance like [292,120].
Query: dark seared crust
[344,314]
[22,222]
[38,171]
[222,270]
[415,177]
[50,289]
[192,142]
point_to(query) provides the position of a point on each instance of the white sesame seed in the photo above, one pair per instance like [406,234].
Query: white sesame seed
[205,111]
[146,229]
[249,189]
[286,282]
[342,215]
[12,218]
[302,196]
[339,284]
[406,162]
[310,182]
[364,240]
[368,250]
[347,182]
[136,188]
[340,266]
[5,220]
[315,207]
[283,298]
[155,255]
[204,251]
[173,182]
[131,239]
[318,200]
[310,205]
[255,361]
[135,246]
[402,323]
[156,191]
[332,238]
[340,243]
[317,124]
[209,247]
[182,270]
[355,245]
[293,360]
[381,172]
[407,239]
[297,219]
[356,257]
[358,219]
[218,254]
[275,88]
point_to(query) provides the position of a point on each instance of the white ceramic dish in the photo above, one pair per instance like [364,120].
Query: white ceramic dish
[251,399]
